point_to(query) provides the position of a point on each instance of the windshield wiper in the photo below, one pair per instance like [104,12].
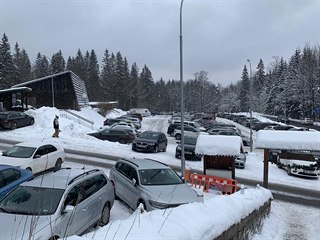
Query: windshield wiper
[154,175]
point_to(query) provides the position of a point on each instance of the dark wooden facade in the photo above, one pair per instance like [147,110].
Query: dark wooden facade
[63,90]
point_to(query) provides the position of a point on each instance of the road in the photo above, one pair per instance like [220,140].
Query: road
[280,192]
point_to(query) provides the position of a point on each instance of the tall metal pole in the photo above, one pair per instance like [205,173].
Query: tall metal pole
[182,101]
[250,105]
[52,88]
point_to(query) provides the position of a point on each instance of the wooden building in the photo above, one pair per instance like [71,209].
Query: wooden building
[219,154]
[63,90]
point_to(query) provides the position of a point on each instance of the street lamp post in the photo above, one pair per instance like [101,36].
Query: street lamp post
[182,101]
[250,104]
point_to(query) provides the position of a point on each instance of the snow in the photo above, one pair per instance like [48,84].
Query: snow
[288,140]
[193,221]
[218,145]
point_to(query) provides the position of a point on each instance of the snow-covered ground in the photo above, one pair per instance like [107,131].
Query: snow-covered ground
[185,222]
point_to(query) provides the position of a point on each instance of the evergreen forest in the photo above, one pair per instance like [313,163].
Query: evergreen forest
[288,87]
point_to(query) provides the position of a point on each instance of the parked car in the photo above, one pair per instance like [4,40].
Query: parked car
[307,121]
[278,127]
[115,135]
[262,125]
[11,177]
[297,163]
[12,120]
[143,111]
[57,205]
[188,132]
[34,156]
[110,121]
[124,125]
[150,183]
[134,120]
[150,141]
[189,149]
[240,161]
[283,119]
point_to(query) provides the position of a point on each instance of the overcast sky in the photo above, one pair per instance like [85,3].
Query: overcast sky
[218,36]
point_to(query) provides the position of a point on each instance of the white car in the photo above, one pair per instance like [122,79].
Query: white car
[188,132]
[35,156]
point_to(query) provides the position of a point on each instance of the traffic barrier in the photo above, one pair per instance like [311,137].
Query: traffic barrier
[225,185]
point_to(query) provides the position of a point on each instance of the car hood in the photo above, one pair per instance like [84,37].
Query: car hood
[18,162]
[146,140]
[13,226]
[172,194]
[188,146]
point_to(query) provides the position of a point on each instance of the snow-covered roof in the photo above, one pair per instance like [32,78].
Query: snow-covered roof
[288,140]
[218,145]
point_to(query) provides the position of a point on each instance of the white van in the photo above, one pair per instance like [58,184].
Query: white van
[143,111]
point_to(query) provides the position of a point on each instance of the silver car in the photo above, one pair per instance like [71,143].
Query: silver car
[151,183]
[56,205]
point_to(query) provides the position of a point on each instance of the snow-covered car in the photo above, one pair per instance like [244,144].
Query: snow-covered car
[56,205]
[297,163]
[34,156]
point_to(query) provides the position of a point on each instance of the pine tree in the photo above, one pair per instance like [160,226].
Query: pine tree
[244,94]
[23,65]
[145,86]
[93,81]
[8,71]
[58,63]
[41,67]
[134,79]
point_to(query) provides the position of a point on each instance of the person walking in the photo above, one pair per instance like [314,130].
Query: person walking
[56,127]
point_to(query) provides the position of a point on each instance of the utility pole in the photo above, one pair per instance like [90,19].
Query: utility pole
[250,104]
[183,167]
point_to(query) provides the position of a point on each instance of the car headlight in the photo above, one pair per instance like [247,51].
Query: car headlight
[158,204]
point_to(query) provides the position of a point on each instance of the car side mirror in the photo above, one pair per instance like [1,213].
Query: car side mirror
[134,181]
[4,153]
[69,209]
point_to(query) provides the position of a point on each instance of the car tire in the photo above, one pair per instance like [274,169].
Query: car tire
[156,149]
[54,238]
[165,149]
[143,203]
[178,136]
[13,125]
[31,122]
[58,164]
[105,215]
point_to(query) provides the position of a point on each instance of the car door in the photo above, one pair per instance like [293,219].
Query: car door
[39,162]
[132,193]
[74,222]
[53,155]
[162,141]
[15,117]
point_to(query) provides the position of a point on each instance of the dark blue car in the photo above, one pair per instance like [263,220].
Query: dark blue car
[11,177]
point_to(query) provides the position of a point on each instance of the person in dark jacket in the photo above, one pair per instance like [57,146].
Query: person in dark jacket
[56,127]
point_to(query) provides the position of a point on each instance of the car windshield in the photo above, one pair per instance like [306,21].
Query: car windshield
[32,201]
[149,135]
[19,152]
[159,177]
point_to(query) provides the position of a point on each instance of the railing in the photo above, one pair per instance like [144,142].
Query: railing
[75,117]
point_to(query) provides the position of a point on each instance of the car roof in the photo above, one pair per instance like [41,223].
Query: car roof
[145,163]
[36,144]
[60,179]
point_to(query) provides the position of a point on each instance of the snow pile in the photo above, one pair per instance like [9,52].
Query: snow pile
[218,145]
[289,140]
[190,221]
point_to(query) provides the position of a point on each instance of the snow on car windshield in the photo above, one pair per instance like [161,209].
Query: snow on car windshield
[19,152]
